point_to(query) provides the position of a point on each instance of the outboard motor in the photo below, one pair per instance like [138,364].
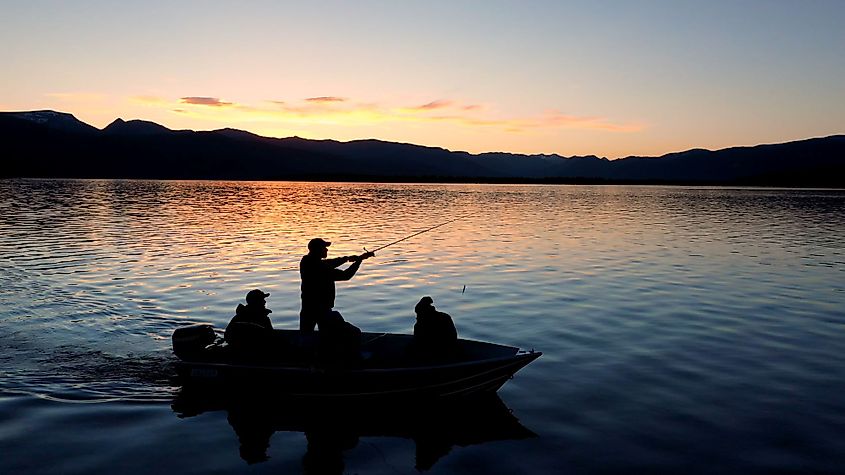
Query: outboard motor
[191,340]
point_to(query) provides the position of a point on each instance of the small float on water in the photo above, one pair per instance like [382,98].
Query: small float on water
[386,367]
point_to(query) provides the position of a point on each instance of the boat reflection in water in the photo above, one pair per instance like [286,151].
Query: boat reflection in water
[330,428]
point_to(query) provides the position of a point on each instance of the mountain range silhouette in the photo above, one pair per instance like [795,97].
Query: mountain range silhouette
[52,144]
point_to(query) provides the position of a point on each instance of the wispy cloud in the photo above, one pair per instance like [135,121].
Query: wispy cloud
[556,119]
[472,115]
[340,111]
[326,99]
[433,105]
[205,101]
[445,104]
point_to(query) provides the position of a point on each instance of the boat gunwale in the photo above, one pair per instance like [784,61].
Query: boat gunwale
[497,380]
[519,355]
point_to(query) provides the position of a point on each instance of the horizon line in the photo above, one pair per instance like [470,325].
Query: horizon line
[101,129]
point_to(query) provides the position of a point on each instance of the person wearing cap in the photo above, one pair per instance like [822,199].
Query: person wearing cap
[318,275]
[434,333]
[251,324]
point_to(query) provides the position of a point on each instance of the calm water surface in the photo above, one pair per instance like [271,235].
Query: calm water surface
[684,330]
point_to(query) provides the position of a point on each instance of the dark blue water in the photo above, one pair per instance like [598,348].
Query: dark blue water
[684,330]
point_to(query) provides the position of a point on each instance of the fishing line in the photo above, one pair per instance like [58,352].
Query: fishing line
[413,235]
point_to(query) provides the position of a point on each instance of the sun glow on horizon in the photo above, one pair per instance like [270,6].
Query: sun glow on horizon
[298,115]
[581,78]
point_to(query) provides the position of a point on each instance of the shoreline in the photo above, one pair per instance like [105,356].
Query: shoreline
[381,179]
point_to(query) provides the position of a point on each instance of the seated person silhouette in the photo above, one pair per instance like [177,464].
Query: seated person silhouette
[250,330]
[435,336]
[340,341]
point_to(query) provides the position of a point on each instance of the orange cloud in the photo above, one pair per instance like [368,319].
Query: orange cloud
[205,101]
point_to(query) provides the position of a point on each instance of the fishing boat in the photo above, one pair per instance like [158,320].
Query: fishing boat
[385,367]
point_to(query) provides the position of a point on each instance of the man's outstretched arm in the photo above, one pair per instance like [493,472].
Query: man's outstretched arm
[350,271]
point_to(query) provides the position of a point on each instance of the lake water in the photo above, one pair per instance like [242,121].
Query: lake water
[684,330]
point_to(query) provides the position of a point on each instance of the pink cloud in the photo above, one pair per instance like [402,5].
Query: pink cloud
[433,105]
[205,101]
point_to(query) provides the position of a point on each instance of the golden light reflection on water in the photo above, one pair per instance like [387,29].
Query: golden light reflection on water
[202,245]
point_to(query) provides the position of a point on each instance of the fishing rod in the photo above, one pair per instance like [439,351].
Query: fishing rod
[412,235]
[394,242]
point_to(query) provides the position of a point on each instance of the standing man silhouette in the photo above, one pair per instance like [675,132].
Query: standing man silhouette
[318,277]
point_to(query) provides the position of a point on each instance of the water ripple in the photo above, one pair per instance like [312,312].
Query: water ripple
[681,327]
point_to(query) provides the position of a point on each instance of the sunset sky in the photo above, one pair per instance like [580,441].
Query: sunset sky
[611,78]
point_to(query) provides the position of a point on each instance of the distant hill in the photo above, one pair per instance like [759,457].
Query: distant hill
[53,120]
[56,144]
[135,127]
